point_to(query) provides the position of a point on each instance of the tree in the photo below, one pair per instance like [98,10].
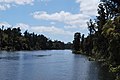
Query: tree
[12,39]
[76,41]
[68,45]
[113,7]
[82,43]
[1,36]
[91,27]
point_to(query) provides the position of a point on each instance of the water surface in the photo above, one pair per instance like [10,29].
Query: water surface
[49,65]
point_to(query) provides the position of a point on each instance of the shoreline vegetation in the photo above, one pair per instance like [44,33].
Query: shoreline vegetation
[103,41]
[11,39]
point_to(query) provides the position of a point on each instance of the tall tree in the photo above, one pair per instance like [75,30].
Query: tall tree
[76,41]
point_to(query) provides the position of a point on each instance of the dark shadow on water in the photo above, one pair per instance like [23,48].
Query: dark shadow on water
[89,70]
[10,58]
[99,72]
[4,55]
[41,55]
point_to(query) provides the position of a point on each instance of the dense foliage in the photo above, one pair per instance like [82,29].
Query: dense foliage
[103,41]
[13,39]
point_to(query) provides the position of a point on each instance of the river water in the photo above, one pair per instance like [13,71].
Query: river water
[49,65]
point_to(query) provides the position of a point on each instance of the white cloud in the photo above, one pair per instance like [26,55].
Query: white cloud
[50,29]
[22,26]
[65,17]
[38,29]
[5,24]
[45,0]
[88,7]
[60,16]
[6,4]
[53,32]
[20,2]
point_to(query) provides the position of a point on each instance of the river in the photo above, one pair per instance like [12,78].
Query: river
[49,65]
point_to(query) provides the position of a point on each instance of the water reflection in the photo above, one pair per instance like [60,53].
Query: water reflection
[82,69]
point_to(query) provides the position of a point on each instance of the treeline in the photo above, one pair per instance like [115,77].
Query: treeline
[103,41]
[12,39]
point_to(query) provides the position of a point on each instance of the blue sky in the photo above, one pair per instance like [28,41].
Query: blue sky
[56,19]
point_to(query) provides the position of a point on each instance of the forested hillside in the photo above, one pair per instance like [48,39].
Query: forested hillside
[12,39]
